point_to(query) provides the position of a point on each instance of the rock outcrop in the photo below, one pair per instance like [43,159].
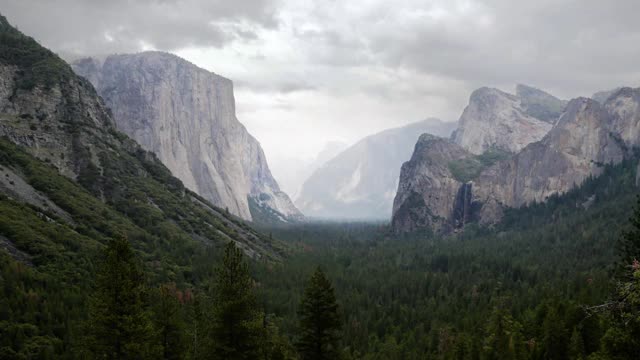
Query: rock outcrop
[577,147]
[427,191]
[57,120]
[587,136]
[361,181]
[186,116]
[501,121]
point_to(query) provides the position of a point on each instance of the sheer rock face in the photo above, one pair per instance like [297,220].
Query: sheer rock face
[624,107]
[361,181]
[587,136]
[186,116]
[577,147]
[56,125]
[497,120]
[427,190]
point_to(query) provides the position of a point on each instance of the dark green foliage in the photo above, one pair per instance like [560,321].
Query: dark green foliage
[33,312]
[576,346]
[437,297]
[622,339]
[169,321]
[467,169]
[236,322]
[503,339]
[37,65]
[118,326]
[629,245]
[319,320]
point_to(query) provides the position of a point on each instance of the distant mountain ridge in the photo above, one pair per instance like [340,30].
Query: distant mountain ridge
[186,116]
[361,181]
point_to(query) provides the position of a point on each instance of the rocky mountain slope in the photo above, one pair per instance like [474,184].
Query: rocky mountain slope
[361,181]
[186,116]
[498,120]
[65,163]
[587,136]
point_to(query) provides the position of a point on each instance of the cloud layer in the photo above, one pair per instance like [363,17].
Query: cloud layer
[308,72]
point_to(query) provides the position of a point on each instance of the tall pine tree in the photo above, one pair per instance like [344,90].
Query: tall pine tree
[169,321]
[622,339]
[236,323]
[629,246]
[119,326]
[320,323]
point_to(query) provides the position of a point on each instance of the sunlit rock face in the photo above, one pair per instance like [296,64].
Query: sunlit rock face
[186,116]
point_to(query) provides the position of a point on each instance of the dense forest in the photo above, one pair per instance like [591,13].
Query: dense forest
[557,280]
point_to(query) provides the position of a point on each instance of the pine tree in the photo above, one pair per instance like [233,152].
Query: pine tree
[319,321]
[236,323]
[169,322]
[629,246]
[197,325]
[504,339]
[274,346]
[554,336]
[622,339]
[576,346]
[119,326]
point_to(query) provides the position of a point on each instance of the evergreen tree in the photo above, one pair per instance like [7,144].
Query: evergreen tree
[197,325]
[236,324]
[274,346]
[319,321]
[119,326]
[622,339]
[169,321]
[629,245]
[554,336]
[576,346]
[504,338]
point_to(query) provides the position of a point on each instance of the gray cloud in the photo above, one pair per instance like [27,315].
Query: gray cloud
[283,87]
[313,71]
[571,46]
[87,27]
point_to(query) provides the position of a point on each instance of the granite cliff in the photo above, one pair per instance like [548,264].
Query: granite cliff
[186,116]
[498,120]
[587,135]
[62,155]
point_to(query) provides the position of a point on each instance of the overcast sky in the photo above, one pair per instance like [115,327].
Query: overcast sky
[310,72]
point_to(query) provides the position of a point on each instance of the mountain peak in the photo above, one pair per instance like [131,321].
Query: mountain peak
[540,104]
[498,120]
[186,116]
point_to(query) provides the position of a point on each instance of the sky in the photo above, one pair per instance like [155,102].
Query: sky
[308,73]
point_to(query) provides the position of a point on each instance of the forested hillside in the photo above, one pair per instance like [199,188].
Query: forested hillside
[519,291]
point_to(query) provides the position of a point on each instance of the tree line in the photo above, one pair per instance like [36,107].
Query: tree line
[128,320]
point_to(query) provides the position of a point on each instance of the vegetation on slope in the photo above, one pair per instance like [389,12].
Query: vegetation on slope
[467,169]
[39,66]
